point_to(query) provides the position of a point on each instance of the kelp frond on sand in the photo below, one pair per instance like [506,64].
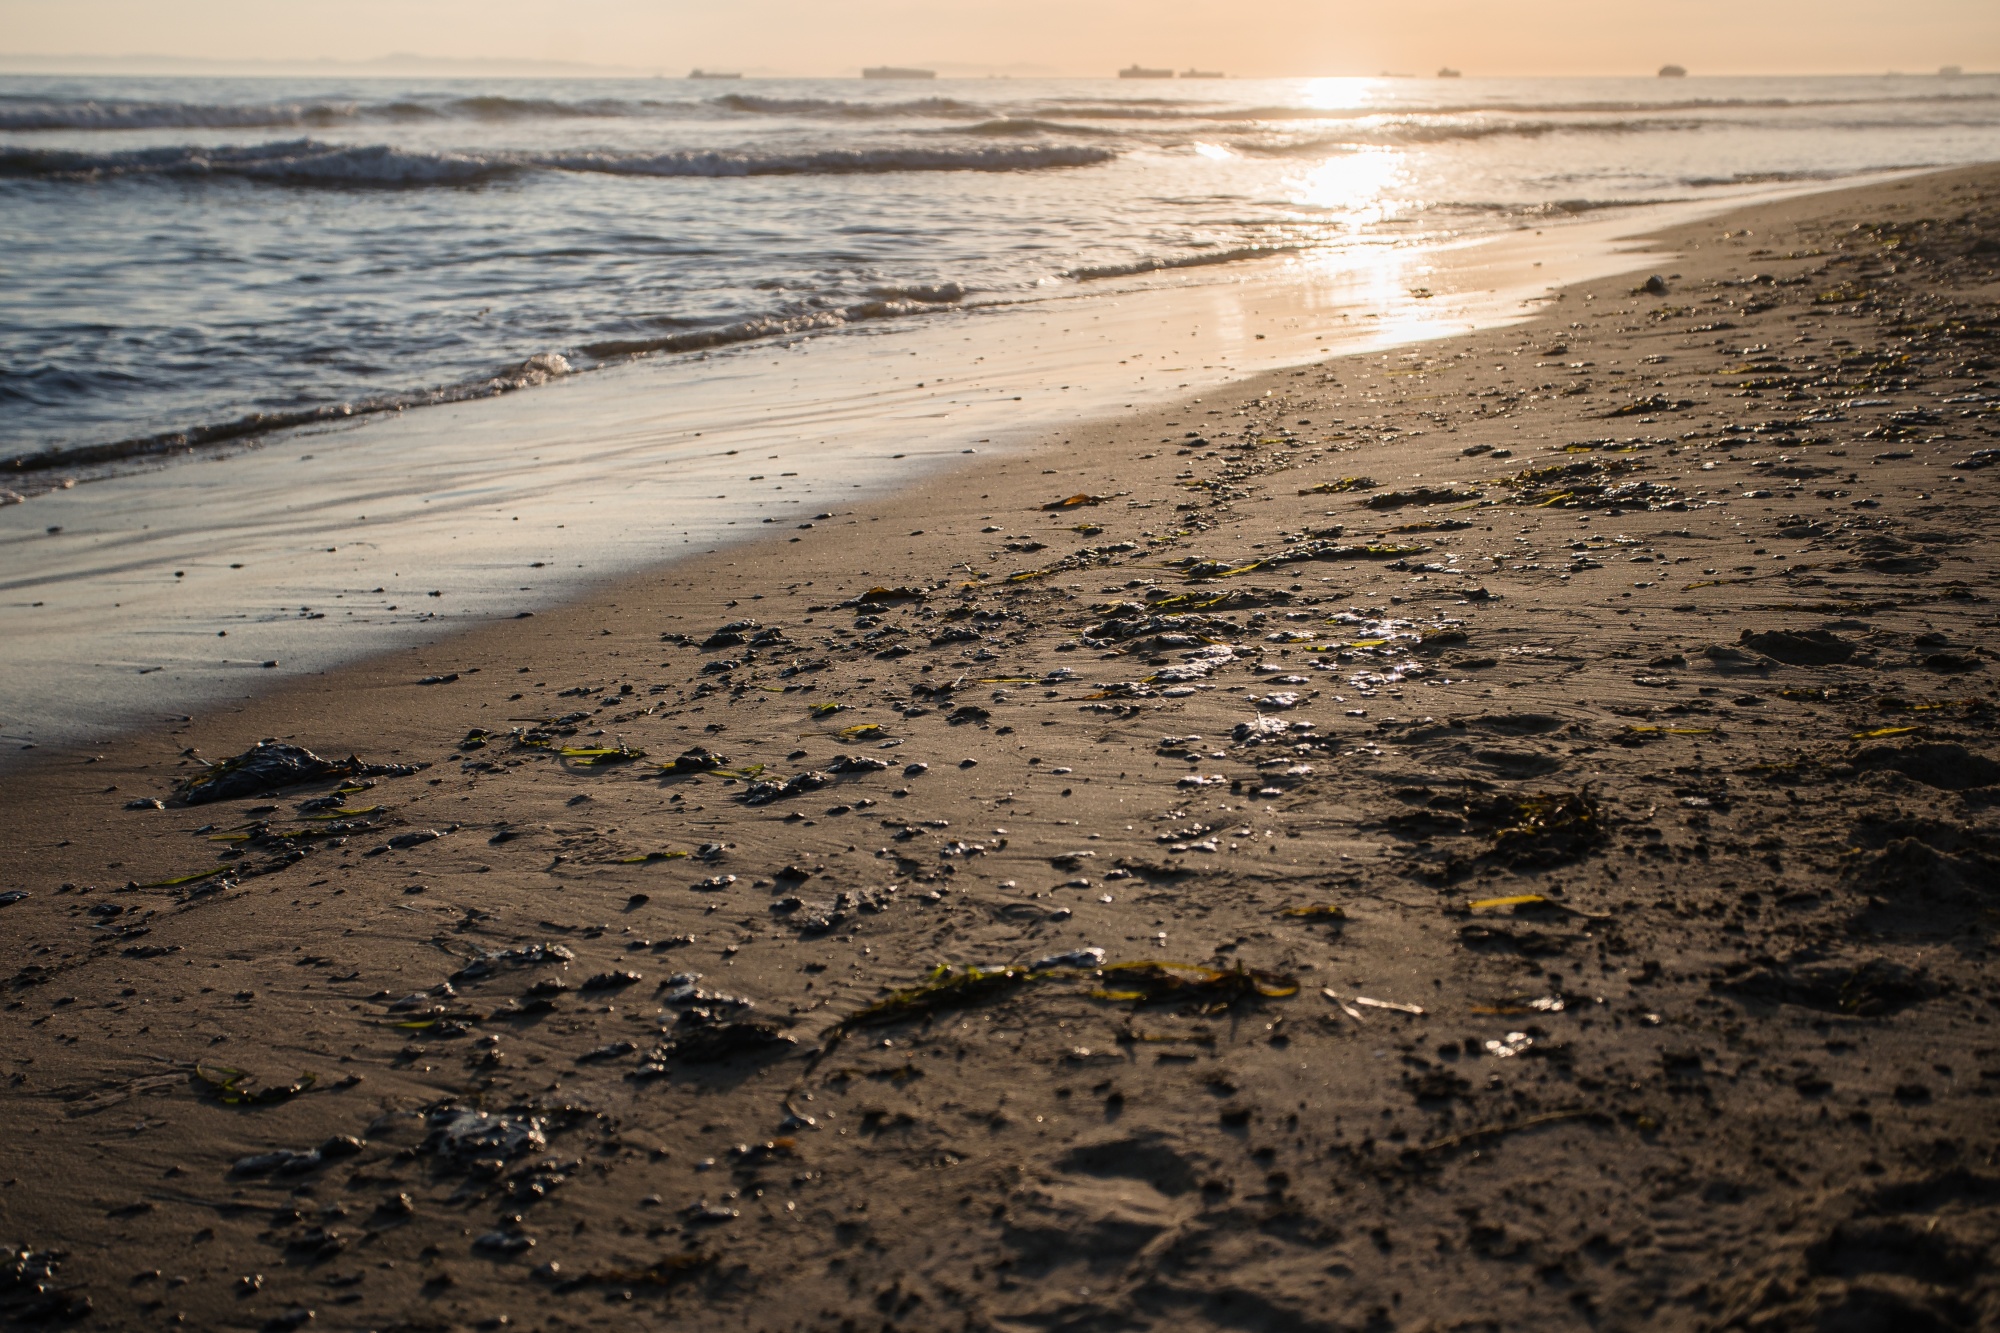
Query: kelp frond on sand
[946,988]
[1208,990]
[1550,828]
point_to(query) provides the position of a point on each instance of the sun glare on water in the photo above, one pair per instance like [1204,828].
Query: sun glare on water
[1339,94]
[1354,186]
[1354,189]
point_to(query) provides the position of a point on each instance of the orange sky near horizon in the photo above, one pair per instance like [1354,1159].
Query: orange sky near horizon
[1066,37]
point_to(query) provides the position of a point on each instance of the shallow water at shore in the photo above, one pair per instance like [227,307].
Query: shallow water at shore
[191,256]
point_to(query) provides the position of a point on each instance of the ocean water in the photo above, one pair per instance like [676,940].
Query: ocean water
[189,258]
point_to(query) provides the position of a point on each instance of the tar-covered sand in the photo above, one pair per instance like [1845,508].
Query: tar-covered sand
[1533,795]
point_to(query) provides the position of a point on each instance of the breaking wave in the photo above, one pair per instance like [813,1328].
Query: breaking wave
[1767,178]
[532,108]
[537,369]
[307,162]
[886,302]
[1096,272]
[752,104]
[1552,208]
[18,114]
[295,162]
[1009,127]
[55,113]
[831,162]
[1431,132]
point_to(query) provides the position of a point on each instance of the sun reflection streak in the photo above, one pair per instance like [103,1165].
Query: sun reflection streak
[1378,279]
[1354,186]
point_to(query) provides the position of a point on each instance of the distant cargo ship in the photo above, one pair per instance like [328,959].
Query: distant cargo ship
[1141,72]
[1203,74]
[1673,72]
[897,72]
[1449,73]
[711,74]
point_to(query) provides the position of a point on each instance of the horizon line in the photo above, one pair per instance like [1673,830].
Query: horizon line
[49,63]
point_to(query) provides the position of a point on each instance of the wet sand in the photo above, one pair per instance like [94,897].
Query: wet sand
[1533,794]
[165,590]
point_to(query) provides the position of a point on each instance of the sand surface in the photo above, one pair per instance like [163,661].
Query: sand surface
[168,588]
[1533,794]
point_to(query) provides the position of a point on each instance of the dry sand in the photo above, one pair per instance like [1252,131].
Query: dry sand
[1612,950]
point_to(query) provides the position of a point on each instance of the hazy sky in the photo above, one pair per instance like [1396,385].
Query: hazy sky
[1246,37]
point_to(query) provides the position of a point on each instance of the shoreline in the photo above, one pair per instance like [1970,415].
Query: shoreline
[163,592]
[208,440]
[1612,949]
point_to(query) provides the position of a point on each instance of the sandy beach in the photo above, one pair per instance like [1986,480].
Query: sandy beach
[144,590]
[1496,833]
